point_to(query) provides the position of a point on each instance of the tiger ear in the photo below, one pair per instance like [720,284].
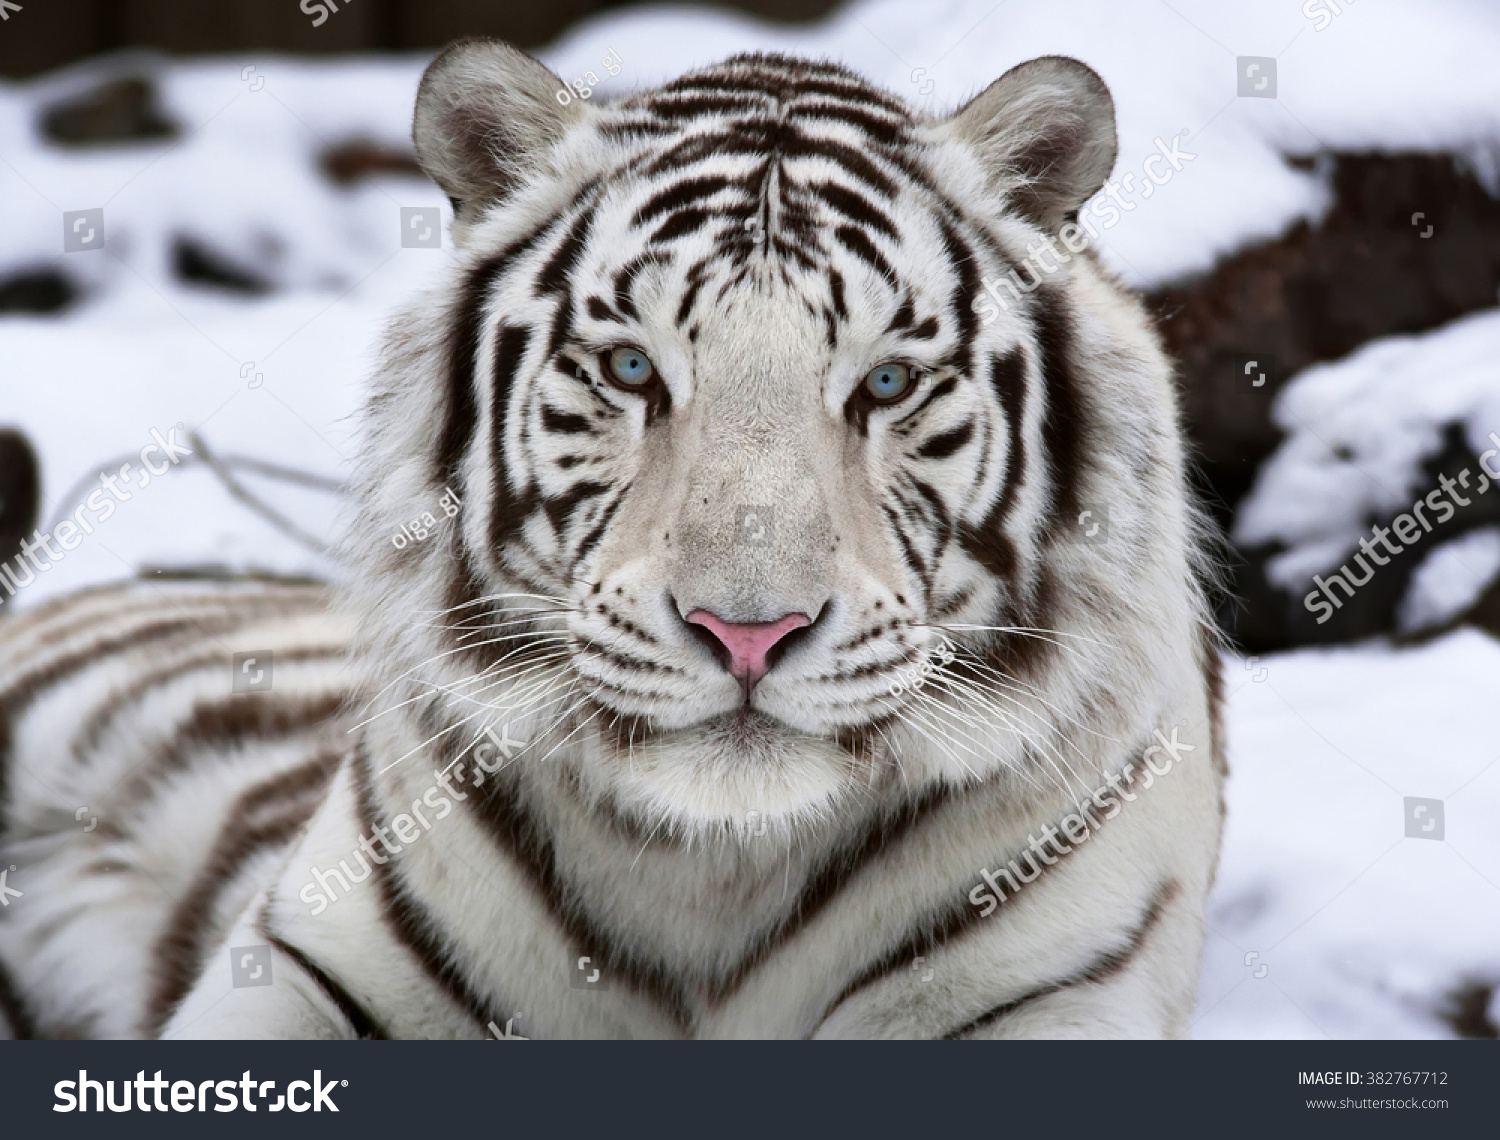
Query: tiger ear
[486,114]
[1045,132]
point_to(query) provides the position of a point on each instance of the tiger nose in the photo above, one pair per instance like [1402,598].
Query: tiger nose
[748,643]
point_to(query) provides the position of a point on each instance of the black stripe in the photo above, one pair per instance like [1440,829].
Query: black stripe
[1105,966]
[510,350]
[365,1027]
[695,282]
[86,740]
[883,130]
[935,503]
[22,1027]
[464,337]
[1064,434]
[410,922]
[935,930]
[913,559]
[855,164]
[560,508]
[879,838]
[964,291]
[836,290]
[858,244]
[1008,378]
[686,106]
[528,845]
[944,445]
[565,423]
[217,723]
[553,277]
[265,815]
[989,543]
[680,194]
[940,390]
[855,206]
[680,224]
[906,313]
[29,685]
[625,281]
[849,87]
[596,532]
[927,330]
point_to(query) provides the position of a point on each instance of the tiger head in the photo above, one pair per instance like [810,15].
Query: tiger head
[763,503]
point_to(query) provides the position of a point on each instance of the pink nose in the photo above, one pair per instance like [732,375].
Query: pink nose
[748,643]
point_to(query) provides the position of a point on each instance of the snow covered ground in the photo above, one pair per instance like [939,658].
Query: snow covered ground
[1355,930]
[1357,432]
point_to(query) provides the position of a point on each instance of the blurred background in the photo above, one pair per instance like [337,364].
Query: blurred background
[202,228]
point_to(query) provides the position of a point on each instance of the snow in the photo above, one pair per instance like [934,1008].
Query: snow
[1363,931]
[1357,432]
[1451,579]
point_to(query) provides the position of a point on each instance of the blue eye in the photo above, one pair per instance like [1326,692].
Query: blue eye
[888,382]
[629,367]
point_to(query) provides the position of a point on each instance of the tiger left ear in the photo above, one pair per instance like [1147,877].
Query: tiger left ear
[1045,131]
[486,116]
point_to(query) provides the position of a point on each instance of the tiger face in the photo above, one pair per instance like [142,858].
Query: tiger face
[719,400]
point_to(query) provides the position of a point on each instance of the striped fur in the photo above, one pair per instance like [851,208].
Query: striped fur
[795,862]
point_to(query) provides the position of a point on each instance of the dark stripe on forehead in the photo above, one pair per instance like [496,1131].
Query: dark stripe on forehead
[681,194]
[680,224]
[904,317]
[553,276]
[625,280]
[800,145]
[685,105]
[695,279]
[785,77]
[965,289]
[887,131]
[836,291]
[855,92]
[860,246]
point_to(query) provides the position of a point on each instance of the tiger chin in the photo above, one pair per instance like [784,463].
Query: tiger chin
[812,641]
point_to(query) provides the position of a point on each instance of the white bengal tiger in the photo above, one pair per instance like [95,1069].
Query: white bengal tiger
[784,599]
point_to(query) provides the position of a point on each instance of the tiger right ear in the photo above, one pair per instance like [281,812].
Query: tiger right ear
[486,115]
[1045,131]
